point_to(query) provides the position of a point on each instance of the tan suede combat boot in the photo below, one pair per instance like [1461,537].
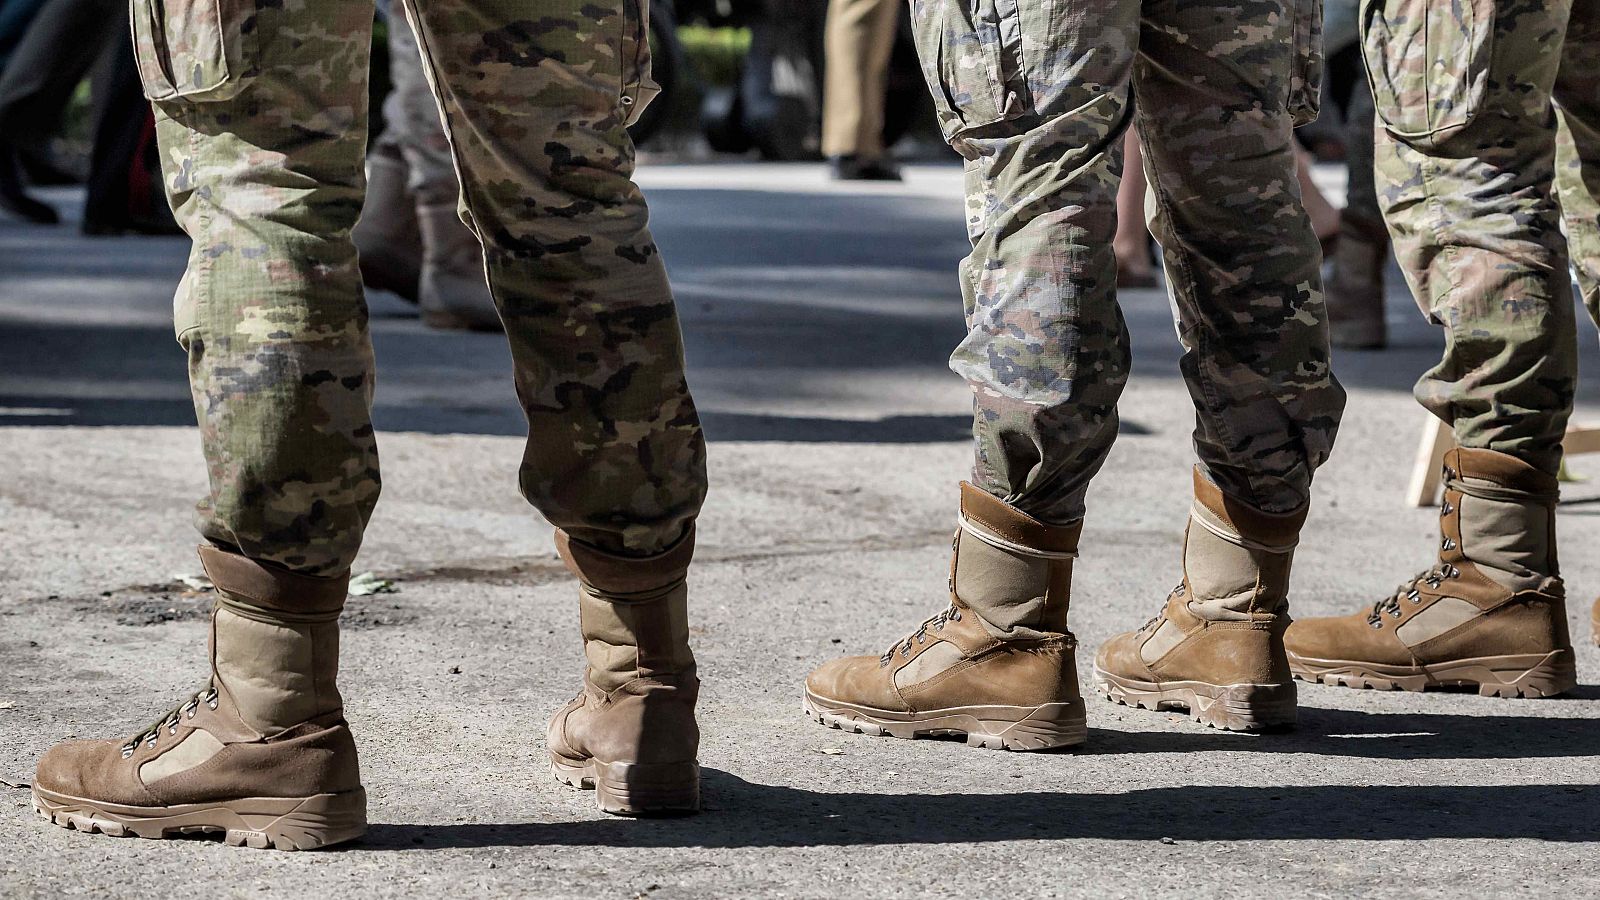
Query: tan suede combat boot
[454,290]
[1491,614]
[997,666]
[1216,649]
[262,753]
[1355,292]
[631,734]
[387,238]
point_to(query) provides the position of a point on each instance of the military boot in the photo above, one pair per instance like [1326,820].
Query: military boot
[997,666]
[631,734]
[454,290]
[387,238]
[1355,285]
[1216,649]
[261,753]
[1490,614]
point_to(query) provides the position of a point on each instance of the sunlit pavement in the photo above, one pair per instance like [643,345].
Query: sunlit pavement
[818,318]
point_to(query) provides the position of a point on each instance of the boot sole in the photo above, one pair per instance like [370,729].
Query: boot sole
[634,789]
[1230,707]
[1522,675]
[282,823]
[1048,726]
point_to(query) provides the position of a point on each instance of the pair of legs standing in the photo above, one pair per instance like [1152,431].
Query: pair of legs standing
[262,120]
[1037,98]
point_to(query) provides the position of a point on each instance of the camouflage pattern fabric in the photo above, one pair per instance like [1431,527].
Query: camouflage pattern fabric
[1478,102]
[263,167]
[1036,97]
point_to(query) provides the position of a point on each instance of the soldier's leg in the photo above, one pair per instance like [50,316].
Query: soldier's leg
[1355,288]
[537,112]
[1219,89]
[262,124]
[1036,98]
[1577,96]
[451,289]
[1466,167]
[859,42]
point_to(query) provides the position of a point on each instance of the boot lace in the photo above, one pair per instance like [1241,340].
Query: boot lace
[1151,623]
[935,622]
[170,721]
[1408,591]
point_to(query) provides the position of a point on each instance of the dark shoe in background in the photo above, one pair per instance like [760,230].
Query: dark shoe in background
[854,168]
[14,198]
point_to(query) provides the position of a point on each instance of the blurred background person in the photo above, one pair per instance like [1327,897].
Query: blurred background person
[411,238]
[62,43]
[1355,284]
[858,44]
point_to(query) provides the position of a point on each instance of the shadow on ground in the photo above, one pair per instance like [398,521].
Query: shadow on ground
[742,813]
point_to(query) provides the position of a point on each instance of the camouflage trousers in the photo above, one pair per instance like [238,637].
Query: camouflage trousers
[262,124]
[1036,97]
[1490,115]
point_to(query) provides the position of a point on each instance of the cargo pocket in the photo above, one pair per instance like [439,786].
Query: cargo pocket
[1429,64]
[200,50]
[971,54]
[1305,81]
[638,88]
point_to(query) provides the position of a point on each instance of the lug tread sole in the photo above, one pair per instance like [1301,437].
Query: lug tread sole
[1227,707]
[1049,726]
[261,823]
[633,789]
[1531,676]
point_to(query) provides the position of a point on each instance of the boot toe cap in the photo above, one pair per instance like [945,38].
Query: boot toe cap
[90,770]
[1120,656]
[1343,638]
[857,680]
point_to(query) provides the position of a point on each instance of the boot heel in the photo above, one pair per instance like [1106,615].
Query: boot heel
[634,789]
[1050,726]
[1249,707]
[644,789]
[1530,675]
[318,821]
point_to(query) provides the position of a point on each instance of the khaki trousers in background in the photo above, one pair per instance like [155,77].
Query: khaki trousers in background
[858,44]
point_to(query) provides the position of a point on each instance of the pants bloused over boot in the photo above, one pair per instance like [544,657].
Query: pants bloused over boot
[261,118]
[1036,98]
[1480,162]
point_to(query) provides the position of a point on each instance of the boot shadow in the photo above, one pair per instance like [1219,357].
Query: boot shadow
[745,814]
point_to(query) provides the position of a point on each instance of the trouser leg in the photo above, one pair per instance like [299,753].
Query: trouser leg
[265,174]
[858,43]
[1217,97]
[1577,97]
[536,113]
[1466,162]
[1046,351]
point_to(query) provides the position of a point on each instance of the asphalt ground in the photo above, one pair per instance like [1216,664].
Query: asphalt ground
[818,319]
